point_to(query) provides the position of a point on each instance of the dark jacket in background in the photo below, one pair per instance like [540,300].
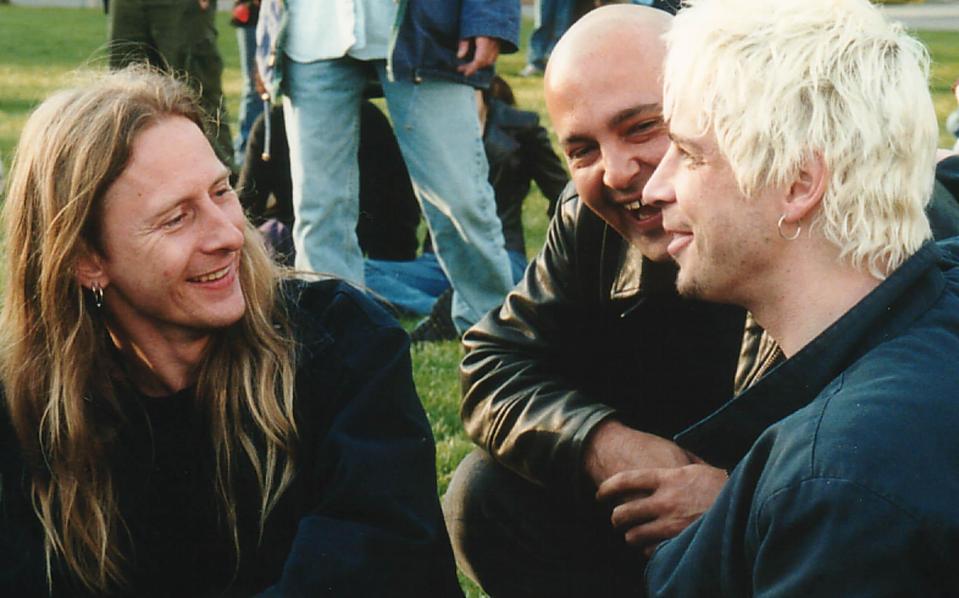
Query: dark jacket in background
[846,458]
[430,31]
[592,331]
[425,39]
[361,517]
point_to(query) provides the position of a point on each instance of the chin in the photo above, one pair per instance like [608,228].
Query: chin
[653,248]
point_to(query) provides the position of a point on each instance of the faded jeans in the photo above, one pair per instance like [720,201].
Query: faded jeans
[438,131]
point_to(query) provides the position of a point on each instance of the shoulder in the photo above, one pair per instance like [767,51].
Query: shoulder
[331,312]
[887,426]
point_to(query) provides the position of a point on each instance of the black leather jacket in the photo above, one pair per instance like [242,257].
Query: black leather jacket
[592,331]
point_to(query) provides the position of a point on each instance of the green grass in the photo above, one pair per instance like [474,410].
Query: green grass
[40,48]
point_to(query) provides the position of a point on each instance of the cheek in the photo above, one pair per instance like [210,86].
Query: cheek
[588,183]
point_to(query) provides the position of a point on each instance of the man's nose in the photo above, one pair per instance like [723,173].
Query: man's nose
[620,170]
[223,230]
[659,190]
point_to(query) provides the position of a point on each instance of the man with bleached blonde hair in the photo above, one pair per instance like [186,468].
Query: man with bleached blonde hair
[802,146]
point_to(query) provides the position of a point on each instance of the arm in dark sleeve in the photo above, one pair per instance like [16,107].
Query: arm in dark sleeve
[817,537]
[544,166]
[519,404]
[376,528]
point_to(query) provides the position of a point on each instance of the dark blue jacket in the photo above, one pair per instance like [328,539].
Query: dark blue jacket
[429,32]
[425,38]
[846,479]
[360,518]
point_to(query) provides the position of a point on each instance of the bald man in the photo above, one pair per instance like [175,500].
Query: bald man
[574,387]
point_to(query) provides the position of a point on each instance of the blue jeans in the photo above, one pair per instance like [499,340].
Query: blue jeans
[413,286]
[438,131]
[553,18]
[250,104]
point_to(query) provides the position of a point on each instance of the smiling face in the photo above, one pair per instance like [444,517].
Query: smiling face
[171,235]
[723,241]
[603,93]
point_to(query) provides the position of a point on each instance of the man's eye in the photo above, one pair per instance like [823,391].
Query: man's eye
[690,159]
[578,152]
[643,127]
[175,220]
[224,191]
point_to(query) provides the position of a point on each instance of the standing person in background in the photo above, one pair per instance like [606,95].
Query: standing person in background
[179,36]
[428,55]
[389,213]
[552,19]
[244,18]
[519,152]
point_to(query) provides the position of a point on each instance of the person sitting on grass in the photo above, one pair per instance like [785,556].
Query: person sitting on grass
[802,145]
[179,416]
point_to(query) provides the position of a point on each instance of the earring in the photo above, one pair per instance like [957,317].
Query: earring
[97,291]
[792,237]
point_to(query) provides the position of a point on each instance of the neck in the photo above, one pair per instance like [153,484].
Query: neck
[810,294]
[160,365]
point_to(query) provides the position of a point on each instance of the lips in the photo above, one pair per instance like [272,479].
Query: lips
[212,276]
[678,243]
[646,219]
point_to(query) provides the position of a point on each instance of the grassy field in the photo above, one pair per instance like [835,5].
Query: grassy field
[40,48]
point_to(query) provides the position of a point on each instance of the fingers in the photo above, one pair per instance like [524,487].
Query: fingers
[629,482]
[485,53]
[463,49]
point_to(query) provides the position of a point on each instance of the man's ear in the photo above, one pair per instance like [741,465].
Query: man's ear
[89,269]
[807,189]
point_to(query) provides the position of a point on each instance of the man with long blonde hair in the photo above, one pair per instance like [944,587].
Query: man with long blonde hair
[179,416]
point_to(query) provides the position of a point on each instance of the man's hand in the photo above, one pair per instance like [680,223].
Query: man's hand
[485,52]
[613,448]
[656,504]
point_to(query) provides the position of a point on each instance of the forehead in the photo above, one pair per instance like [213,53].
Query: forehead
[588,95]
[168,159]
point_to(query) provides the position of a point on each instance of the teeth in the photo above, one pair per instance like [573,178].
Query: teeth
[213,276]
[634,205]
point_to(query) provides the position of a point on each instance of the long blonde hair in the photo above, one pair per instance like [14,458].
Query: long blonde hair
[54,345]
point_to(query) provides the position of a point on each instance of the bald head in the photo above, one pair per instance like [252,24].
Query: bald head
[604,95]
[619,35]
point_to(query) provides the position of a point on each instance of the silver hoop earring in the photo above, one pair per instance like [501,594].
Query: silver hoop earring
[794,236]
[97,291]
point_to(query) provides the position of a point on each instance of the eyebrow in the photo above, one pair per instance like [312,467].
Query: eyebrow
[653,109]
[684,141]
[170,202]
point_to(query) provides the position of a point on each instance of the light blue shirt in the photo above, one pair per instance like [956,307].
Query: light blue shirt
[325,29]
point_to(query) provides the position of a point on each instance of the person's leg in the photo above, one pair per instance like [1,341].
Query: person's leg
[250,104]
[411,286]
[204,65]
[515,538]
[517,262]
[437,126]
[321,107]
[542,31]
[129,34]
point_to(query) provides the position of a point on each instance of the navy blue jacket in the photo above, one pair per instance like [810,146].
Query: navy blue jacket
[430,30]
[425,38]
[846,479]
[360,518]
